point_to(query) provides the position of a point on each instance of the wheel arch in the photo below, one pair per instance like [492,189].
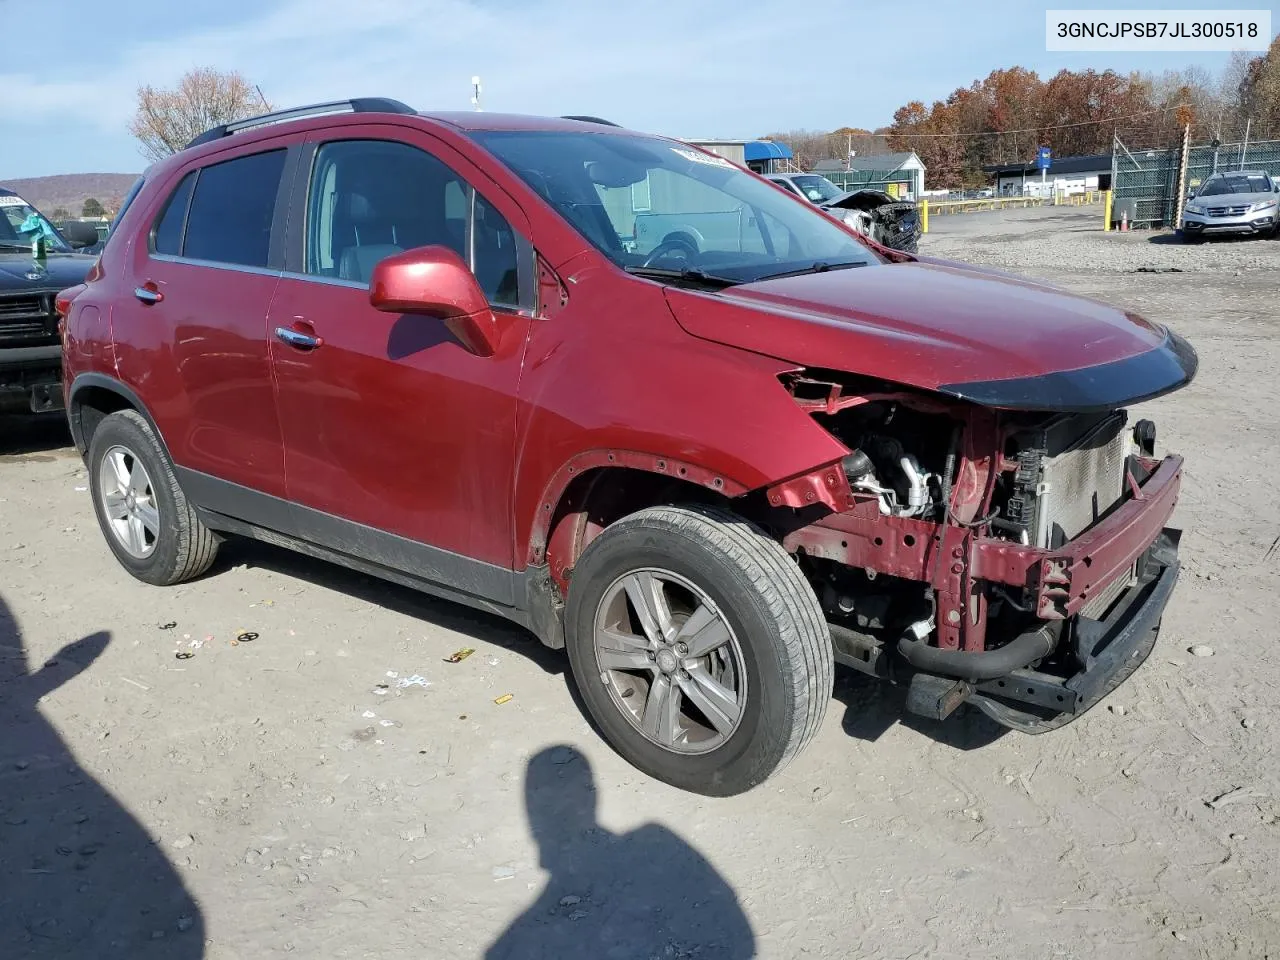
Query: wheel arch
[94,396]
[598,487]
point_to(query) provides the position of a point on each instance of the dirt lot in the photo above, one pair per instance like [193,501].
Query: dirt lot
[292,796]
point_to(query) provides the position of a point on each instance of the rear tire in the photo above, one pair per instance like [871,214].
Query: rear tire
[753,702]
[145,517]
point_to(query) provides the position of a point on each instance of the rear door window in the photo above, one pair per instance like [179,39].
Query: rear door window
[232,208]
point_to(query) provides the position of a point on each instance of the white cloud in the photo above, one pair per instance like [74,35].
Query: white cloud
[654,65]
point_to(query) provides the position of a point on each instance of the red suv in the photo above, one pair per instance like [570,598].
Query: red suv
[645,403]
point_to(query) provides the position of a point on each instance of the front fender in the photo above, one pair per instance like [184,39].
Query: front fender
[614,376]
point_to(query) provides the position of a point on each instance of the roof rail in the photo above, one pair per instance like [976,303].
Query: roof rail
[607,123]
[354,105]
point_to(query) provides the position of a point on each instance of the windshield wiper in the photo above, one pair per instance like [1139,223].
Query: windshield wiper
[687,274]
[14,246]
[820,266]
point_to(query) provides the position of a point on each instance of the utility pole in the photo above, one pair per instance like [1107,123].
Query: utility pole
[1182,177]
[475,93]
[1244,148]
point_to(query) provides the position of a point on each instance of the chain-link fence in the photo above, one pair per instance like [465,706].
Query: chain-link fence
[1144,183]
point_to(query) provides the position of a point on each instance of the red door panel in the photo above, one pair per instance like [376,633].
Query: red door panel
[392,424]
[389,421]
[200,358]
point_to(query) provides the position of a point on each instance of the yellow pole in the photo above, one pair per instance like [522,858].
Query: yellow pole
[1106,210]
[924,215]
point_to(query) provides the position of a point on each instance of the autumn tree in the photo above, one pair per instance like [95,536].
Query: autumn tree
[167,120]
[1259,91]
[1004,117]
[931,134]
[92,208]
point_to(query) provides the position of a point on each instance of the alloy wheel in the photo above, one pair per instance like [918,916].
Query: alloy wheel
[128,502]
[670,660]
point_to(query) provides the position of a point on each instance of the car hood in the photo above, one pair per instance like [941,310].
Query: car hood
[864,200]
[968,332]
[1235,199]
[19,273]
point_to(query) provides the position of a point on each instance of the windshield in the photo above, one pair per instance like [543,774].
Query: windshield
[21,224]
[818,189]
[1218,186]
[657,205]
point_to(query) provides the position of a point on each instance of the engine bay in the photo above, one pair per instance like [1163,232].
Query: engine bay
[931,472]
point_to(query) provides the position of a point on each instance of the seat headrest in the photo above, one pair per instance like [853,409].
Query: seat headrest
[360,208]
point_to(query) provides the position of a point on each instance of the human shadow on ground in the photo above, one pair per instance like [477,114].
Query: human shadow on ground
[79,876]
[633,896]
[873,706]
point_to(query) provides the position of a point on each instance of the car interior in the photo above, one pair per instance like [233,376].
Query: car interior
[373,200]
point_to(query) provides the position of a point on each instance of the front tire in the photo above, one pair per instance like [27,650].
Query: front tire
[699,648]
[146,519]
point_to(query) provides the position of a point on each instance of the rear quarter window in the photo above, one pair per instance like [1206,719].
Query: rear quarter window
[232,206]
[166,237]
[125,204]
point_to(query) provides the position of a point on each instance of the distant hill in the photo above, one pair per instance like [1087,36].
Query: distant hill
[70,190]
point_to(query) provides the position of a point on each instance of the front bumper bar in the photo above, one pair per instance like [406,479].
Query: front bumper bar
[1216,226]
[1106,653]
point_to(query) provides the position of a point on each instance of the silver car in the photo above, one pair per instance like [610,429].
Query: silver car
[1237,202]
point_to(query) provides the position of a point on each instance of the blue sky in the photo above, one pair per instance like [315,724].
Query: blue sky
[687,68]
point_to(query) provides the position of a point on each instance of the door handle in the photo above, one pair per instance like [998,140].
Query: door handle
[148,294]
[295,338]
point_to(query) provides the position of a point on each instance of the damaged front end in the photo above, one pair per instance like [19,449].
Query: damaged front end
[1015,559]
[888,221]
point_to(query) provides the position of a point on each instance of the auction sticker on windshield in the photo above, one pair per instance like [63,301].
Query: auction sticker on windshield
[710,159]
[13,201]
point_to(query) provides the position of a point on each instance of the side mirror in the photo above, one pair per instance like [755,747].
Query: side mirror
[435,282]
[80,234]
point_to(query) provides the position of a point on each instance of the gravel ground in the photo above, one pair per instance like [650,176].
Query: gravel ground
[306,794]
[1037,240]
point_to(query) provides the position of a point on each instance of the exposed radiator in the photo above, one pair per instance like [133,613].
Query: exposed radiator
[1081,476]
[1081,482]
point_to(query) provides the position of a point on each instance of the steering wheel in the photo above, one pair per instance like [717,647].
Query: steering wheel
[672,244]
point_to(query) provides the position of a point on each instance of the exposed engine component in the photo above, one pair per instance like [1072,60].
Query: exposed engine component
[881,466]
[1144,436]
[900,452]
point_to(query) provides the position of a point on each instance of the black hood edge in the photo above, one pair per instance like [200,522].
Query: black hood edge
[1108,386]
